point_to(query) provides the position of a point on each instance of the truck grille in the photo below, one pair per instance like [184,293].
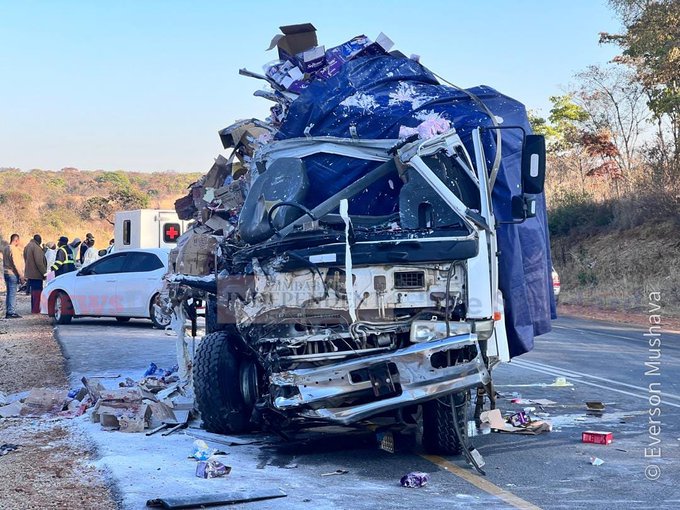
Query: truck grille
[409,280]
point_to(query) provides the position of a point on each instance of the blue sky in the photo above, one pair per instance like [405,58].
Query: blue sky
[146,85]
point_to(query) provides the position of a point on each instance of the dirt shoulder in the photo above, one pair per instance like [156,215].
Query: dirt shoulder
[669,324]
[49,469]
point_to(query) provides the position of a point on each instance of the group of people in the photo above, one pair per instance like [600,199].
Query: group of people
[37,262]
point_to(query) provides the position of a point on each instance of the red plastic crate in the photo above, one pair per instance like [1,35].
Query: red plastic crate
[597,437]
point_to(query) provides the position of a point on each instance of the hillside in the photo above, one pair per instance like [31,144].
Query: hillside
[72,202]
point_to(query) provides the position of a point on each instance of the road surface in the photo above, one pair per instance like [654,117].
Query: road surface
[601,361]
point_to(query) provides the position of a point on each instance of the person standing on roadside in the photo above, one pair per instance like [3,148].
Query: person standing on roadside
[91,255]
[13,269]
[36,267]
[50,254]
[84,247]
[64,261]
[74,246]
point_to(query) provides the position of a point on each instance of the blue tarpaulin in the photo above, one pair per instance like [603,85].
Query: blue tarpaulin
[372,98]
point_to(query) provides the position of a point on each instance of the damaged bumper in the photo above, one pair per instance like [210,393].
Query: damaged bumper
[353,390]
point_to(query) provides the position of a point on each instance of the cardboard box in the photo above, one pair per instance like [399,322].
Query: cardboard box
[597,437]
[359,46]
[293,40]
[197,256]
[312,60]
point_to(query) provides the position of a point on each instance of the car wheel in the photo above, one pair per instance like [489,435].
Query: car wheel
[440,431]
[216,374]
[160,320]
[63,308]
[123,319]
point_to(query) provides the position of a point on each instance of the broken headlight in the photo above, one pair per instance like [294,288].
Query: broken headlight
[426,331]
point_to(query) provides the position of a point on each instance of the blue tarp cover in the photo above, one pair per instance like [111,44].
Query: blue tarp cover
[377,95]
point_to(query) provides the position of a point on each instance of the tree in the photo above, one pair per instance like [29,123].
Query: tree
[651,48]
[121,199]
[614,103]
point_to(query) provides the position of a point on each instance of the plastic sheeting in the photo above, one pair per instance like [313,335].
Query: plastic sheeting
[373,98]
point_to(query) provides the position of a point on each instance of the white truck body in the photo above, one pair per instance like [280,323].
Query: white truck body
[147,228]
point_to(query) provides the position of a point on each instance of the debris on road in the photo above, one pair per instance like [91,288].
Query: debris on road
[597,437]
[414,479]
[8,447]
[595,406]
[499,424]
[212,469]
[560,382]
[336,472]
[203,501]
[596,461]
[201,451]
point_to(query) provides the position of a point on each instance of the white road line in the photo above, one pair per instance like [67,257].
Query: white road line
[619,337]
[581,381]
[590,376]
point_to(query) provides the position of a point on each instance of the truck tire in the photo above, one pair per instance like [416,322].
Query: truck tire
[439,431]
[217,386]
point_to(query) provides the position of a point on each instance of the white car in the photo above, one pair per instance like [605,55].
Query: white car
[556,285]
[123,285]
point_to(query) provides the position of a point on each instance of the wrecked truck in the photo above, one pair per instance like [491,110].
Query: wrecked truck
[390,250]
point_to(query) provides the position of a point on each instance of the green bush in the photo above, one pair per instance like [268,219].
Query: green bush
[572,210]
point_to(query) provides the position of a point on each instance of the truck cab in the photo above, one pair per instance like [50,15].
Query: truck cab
[320,314]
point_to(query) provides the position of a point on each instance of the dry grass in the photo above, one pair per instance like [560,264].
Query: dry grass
[617,270]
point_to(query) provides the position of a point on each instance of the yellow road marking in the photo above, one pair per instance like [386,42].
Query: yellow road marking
[482,483]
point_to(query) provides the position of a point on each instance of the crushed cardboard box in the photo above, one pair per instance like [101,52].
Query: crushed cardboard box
[499,424]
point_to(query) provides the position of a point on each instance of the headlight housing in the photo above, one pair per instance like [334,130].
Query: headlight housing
[426,331]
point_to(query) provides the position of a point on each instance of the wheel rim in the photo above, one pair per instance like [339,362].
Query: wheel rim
[159,317]
[57,308]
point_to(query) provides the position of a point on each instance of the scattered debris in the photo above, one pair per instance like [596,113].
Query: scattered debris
[595,406]
[336,472]
[414,479]
[7,447]
[202,451]
[3,399]
[202,501]
[500,424]
[11,410]
[597,437]
[560,382]
[596,461]
[224,439]
[212,469]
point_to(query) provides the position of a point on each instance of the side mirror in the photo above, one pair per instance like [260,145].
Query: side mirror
[101,253]
[533,164]
[523,207]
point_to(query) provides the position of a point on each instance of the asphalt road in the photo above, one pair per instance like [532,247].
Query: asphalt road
[601,362]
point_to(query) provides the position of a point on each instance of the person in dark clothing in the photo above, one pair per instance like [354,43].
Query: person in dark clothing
[35,269]
[64,262]
[84,247]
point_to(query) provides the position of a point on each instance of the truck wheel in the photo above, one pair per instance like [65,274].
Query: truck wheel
[217,386]
[62,308]
[439,430]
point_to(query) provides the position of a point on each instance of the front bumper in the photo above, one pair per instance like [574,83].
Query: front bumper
[353,390]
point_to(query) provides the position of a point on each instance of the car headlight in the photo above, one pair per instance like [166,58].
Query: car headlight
[426,331]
